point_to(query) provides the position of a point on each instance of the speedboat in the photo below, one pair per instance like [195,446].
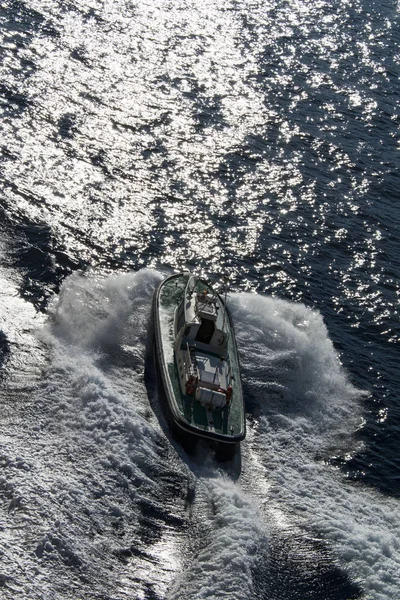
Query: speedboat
[198,364]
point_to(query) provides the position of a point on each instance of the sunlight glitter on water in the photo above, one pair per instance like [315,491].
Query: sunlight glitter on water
[194,134]
[226,101]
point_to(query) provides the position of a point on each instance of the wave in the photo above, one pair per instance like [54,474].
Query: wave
[303,411]
[111,504]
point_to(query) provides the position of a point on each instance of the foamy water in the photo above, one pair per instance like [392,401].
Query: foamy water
[93,479]
[307,411]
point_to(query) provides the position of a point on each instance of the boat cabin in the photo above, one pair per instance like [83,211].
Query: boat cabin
[201,344]
[198,322]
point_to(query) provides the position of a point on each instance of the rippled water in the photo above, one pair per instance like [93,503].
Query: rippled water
[248,138]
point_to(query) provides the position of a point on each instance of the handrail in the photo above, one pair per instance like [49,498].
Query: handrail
[192,277]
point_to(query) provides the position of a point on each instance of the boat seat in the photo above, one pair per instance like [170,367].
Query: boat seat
[210,398]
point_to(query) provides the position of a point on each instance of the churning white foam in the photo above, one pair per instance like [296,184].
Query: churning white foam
[92,458]
[306,410]
[222,566]
[88,466]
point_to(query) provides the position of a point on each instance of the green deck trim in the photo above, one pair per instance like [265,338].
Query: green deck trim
[190,410]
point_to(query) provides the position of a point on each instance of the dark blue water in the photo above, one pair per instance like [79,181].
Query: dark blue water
[257,140]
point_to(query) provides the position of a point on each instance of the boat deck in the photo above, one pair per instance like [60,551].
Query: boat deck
[226,422]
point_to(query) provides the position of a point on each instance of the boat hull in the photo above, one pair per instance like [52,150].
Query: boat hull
[224,428]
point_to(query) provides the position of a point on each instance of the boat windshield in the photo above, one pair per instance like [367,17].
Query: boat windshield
[205,331]
[181,316]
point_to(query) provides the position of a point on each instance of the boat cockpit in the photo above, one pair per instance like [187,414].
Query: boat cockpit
[201,344]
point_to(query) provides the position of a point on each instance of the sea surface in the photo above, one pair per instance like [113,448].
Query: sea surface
[253,139]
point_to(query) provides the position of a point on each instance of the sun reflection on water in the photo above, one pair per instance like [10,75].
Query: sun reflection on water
[193,134]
